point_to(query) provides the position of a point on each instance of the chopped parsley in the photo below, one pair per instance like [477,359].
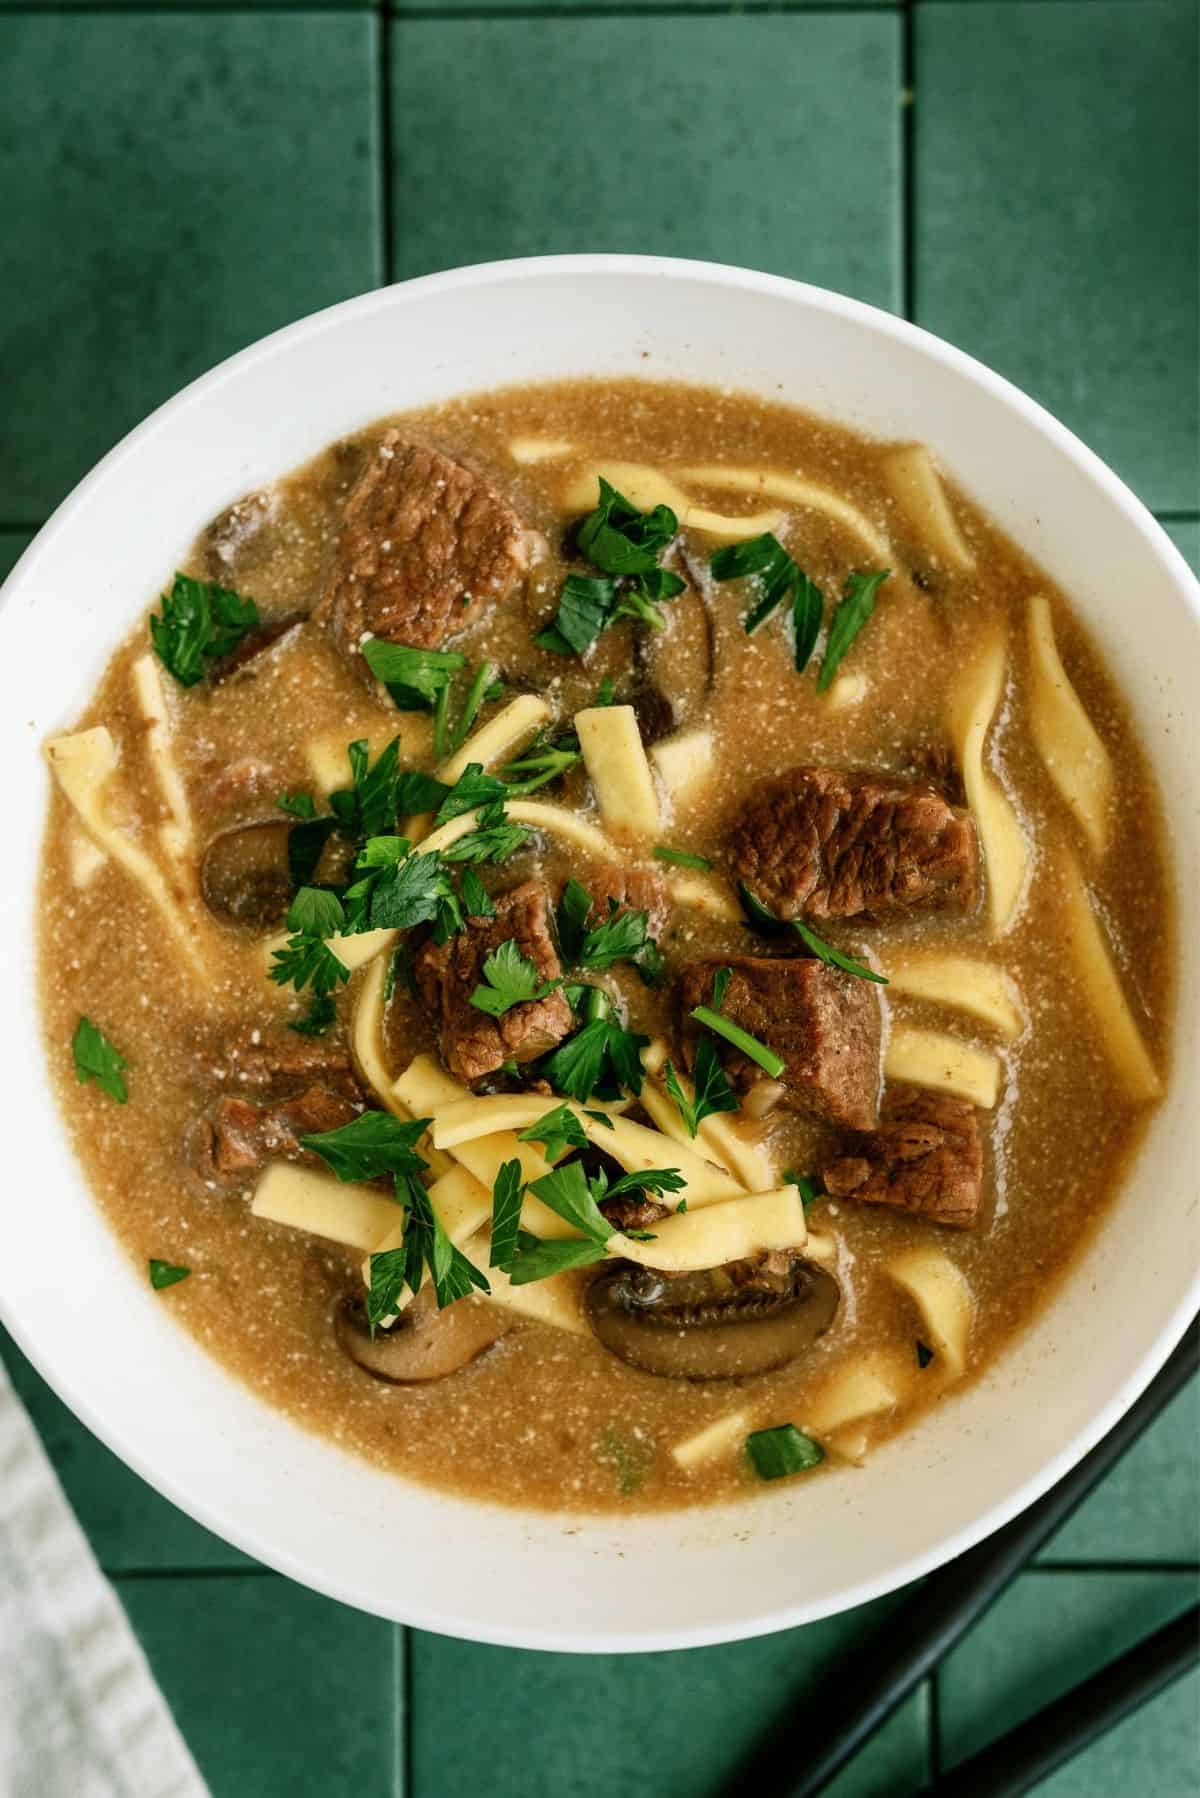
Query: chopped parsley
[558,1130]
[574,910]
[477,901]
[413,677]
[417,793]
[545,760]
[297,805]
[834,957]
[99,1060]
[307,960]
[852,612]
[781,1451]
[200,622]
[509,978]
[315,911]
[164,1274]
[712,1089]
[777,577]
[601,1058]
[758,914]
[682,858]
[621,937]
[370,1146]
[507,1196]
[426,1245]
[625,545]
[721,980]
[472,789]
[494,839]
[319,1017]
[760,1053]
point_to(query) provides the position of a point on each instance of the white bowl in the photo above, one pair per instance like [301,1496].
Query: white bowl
[88,1320]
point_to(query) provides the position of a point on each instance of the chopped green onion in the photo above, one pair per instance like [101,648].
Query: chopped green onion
[781,1451]
[766,1058]
[682,858]
[827,953]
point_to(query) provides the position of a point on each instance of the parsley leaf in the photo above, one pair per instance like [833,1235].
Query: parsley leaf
[306,845]
[199,623]
[781,1451]
[654,1180]
[540,1260]
[164,1274]
[721,980]
[317,1019]
[472,789]
[618,938]
[618,539]
[307,961]
[682,858]
[853,610]
[371,1145]
[476,899]
[409,892]
[544,760]
[712,1091]
[507,1196]
[99,1060]
[388,1271]
[651,963]
[509,978]
[413,677]
[493,839]
[374,788]
[315,911]
[765,559]
[758,914]
[567,1193]
[559,1130]
[453,1275]
[298,805]
[574,910]
[808,614]
[810,1189]
[585,609]
[834,957]
[417,793]
[599,1054]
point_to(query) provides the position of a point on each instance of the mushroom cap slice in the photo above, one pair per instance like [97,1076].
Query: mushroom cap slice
[425,1343]
[721,1324]
[245,876]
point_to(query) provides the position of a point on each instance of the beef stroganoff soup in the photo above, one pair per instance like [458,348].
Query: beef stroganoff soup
[606,943]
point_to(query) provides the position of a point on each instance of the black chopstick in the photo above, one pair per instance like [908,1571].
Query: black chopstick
[1033,1750]
[802,1753]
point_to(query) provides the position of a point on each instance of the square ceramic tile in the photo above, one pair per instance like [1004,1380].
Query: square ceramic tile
[771,141]
[1185,534]
[127,1523]
[175,186]
[1056,225]
[642,1726]
[279,1693]
[1047,1633]
[1147,1509]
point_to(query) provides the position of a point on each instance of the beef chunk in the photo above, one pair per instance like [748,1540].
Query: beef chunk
[278,1064]
[238,1136]
[629,1211]
[473,1043]
[424,547]
[925,1158]
[631,889]
[826,1025]
[827,843]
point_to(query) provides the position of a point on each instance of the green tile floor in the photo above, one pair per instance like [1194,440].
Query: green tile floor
[1018,175]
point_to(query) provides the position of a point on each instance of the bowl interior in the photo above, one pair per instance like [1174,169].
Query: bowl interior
[109,1347]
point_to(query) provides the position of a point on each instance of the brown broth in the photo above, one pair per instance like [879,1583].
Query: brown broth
[544,1419]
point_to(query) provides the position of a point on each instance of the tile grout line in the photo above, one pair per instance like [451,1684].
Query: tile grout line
[387,247]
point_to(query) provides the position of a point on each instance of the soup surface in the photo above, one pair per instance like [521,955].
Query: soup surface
[942,789]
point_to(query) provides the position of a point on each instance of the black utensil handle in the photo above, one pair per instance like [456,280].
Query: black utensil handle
[1031,1752]
[800,1756]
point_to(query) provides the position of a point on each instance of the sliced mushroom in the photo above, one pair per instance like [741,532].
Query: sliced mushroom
[717,1325]
[245,876]
[425,1343]
[265,635]
[680,658]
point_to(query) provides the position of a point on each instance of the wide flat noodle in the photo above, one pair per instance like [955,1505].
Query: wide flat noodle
[497,740]
[646,487]
[307,1199]
[1076,760]
[1102,987]
[772,484]
[734,1230]
[682,761]
[84,765]
[917,489]
[933,1058]
[973,705]
[713,1442]
[366,1041]
[618,770]
[962,982]
[944,1299]
[177,833]
[864,1387]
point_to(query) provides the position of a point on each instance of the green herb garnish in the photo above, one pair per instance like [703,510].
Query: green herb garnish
[200,622]
[809,1188]
[625,545]
[319,1017]
[509,978]
[99,1060]
[585,609]
[297,805]
[477,901]
[600,1058]
[621,937]
[413,677]
[712,1089]
[307,960]
[164,1274]
[765,1057]
[507,1196]
[721,980]
[371,1145]
[781,1451]
[558,1130]
[545,760]
[834,957]
[924,1354]
[494,839]
[683,858]
[852,612]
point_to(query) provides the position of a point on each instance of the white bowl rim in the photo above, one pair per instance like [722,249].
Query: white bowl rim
[763,1621]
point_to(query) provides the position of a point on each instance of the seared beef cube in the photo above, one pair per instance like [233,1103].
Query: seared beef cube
[630,889]
[424,547]
[474,1043]
[826,1026]
[237,1136]
[629,1211]
[827,843]
[925,1157]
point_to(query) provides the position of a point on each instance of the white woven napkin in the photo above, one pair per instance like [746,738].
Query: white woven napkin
[80,1714]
